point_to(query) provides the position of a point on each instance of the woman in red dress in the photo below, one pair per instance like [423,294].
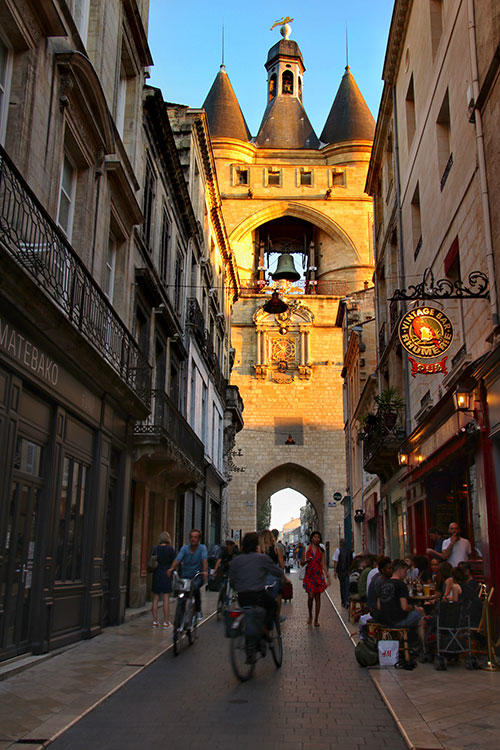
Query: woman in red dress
[316,578]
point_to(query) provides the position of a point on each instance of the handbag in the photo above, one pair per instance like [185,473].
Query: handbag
[153,560]
[388,653]
[303,568]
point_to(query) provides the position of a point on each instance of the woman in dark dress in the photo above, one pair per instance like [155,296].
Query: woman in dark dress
[162,583]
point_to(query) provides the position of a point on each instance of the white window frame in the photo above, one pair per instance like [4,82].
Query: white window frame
[82,22]
[5,90]
[68,231]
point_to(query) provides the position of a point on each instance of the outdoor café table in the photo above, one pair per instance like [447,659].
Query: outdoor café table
[421,600]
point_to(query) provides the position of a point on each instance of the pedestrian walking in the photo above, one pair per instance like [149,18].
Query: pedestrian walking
[316,578]
[342,559]
[161,582]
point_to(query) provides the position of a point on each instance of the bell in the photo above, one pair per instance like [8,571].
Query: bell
[275,305]
[286,269]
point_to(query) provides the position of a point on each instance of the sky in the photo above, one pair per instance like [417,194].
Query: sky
[185,39]
[285,505]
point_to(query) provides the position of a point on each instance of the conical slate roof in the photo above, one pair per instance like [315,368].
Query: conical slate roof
[286,125]
[349,118]
[225,118]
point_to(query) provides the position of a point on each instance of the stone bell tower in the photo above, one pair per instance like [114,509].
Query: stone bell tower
[300,225]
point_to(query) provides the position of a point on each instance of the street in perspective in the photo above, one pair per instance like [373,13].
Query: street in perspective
[249,375]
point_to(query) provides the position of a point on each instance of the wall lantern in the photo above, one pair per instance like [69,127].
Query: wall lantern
[461,398]
[289,440]
[359,515]
[275,305]
[403,459]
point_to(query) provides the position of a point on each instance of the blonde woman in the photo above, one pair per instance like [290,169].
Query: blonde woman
[268,546]
[162,583]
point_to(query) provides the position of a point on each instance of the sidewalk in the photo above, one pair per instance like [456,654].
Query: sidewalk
[453,710]
[41,697]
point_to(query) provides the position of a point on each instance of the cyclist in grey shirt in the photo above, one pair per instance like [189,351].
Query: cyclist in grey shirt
[248,577]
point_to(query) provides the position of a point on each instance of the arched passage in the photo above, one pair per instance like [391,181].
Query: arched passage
[297,478]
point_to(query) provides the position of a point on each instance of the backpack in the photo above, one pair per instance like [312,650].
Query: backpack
[366,652]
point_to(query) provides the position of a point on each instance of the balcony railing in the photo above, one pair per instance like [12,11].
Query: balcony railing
[30,236]
[166,422]
[196,322]
[381,445]
[333,288]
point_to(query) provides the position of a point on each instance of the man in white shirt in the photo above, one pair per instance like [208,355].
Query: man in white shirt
[456,549]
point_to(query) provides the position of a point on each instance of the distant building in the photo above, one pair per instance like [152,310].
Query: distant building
[291,532]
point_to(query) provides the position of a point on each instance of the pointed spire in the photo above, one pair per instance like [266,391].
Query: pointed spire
[225,118]
[349,118]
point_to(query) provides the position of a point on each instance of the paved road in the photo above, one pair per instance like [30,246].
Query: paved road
[319,700]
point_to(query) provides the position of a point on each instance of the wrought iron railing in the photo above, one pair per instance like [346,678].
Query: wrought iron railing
[196,322]
[166,421]
[382,440]
[328,287]
[30,236]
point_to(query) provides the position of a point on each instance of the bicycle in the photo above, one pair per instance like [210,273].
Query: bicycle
[186,620]
[248,643]
[226,596]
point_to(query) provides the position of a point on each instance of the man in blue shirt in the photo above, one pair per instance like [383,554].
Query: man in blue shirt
[193,557]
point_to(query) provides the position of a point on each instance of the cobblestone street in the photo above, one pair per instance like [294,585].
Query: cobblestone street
[319,699]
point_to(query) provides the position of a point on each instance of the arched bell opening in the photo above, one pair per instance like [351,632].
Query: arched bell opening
[286,249]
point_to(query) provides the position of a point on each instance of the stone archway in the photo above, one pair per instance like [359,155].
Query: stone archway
[298,478]
[300,211]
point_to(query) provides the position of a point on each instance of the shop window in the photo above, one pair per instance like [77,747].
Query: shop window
[5,75]
[71,521]
[287,82]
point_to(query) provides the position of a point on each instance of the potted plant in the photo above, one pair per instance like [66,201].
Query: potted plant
[389,404]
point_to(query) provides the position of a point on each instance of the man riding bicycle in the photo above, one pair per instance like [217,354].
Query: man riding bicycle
[247,575]
[193,557]
[225,557]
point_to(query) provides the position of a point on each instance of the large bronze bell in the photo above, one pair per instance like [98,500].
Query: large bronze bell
[285,269]
[275,306]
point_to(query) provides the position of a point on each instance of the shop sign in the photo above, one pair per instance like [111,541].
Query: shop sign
[20,348]
[425,332]
[428,368]
[371,506]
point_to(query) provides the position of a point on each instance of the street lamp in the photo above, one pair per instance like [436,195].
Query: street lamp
[403,458]
[461,398]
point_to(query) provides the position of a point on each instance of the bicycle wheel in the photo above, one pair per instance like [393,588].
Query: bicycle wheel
[192,629]
[276,646]
[178,625]
[243,653]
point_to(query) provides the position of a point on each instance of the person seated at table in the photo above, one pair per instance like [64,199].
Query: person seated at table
[383,571]
[434,567]
[370,563]
[470,595]
[424,572]
[453,589]
[412,573]
[394,604]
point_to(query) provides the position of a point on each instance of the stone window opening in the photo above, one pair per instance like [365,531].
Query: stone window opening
[306,177]
[285,426]
[273,176]
[272,86]
[242,176]
[287,82]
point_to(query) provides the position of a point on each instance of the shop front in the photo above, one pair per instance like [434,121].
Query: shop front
[373,525]
[63,496]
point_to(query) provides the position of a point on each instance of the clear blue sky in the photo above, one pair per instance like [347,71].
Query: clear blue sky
[185,41]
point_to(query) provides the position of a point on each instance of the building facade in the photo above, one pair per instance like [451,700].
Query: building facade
[433,180]
[292,199]
[102,248]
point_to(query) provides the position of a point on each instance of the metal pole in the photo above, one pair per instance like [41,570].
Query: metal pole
[492,664]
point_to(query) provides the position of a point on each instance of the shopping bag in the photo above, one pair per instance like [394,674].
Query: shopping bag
[388,653]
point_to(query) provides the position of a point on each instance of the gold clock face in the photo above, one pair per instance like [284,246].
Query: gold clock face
[283,349]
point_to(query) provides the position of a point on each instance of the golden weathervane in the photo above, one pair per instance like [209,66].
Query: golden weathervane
[285,19]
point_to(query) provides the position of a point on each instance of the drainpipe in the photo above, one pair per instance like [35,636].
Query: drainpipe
[490,259]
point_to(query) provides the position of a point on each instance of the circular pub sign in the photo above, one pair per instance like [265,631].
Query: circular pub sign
[425,332]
